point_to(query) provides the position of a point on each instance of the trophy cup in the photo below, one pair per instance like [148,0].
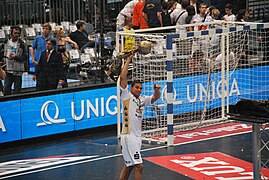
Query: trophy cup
[114,69]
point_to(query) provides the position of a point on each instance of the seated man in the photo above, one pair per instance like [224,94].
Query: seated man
[80,36]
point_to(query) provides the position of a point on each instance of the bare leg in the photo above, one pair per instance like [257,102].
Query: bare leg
[125,172]
[138,171]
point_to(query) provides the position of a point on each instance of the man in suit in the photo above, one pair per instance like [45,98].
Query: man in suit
[49,71]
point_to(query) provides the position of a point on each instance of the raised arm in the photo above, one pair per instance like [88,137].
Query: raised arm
[124,72]
[157,93]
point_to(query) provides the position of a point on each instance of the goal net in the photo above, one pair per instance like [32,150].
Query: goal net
[204,71]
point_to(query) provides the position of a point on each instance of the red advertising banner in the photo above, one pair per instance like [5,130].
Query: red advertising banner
[208,166]
[211,132]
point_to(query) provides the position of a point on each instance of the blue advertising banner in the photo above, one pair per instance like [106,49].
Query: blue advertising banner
[46,115]
[10,121]
[66,112]
[94,108]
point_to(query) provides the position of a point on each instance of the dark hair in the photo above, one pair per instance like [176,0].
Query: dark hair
[191,12]
[127,20]
[135,82]
[240,14]
[170,4]
[202,4]
[53,41]
[211,9]
[79,24]
[185,3]
[165,5]
[229,6]
[15,27]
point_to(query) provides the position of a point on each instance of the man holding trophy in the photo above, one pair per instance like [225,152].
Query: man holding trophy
[133,106]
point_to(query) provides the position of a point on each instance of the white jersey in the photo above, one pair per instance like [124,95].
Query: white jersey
[232,17]
[127,11]
[133,112]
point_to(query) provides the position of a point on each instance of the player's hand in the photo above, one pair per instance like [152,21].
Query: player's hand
[130,57]
[156,87]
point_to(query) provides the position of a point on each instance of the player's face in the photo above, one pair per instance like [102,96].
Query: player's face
[136,89]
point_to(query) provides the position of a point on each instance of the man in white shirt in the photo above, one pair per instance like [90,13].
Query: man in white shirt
[202,16]
[127,11]
[229,16]
[178,16]
[133,106]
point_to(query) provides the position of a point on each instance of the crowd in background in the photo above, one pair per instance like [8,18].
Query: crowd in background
[155,13]
[49,54]
[49,51]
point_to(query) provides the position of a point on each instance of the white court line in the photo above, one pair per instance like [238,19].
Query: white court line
[115,155]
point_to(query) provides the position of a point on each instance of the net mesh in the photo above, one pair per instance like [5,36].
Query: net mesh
[210,71]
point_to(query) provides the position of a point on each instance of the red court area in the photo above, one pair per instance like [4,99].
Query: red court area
[208,166]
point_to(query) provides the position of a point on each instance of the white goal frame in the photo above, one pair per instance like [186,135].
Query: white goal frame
[223,32]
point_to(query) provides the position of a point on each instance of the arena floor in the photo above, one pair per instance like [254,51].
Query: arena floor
[98,157]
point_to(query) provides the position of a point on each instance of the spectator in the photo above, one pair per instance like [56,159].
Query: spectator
[242,16]
[39,44]
[80,36]
[196,4]
[49,70]
[15,57]
[229,16]
[202,16]
[215,13]
[190,18]
[181,18]
[127,11]
[166,19]
[138,19]
[62,48]
[152,13]
[129,41]
[172,5]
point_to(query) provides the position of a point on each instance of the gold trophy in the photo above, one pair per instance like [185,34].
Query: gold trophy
[114,69]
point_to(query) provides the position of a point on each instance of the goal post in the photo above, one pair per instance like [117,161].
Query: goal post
[201,73]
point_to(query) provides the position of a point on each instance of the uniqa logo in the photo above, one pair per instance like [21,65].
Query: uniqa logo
[45,116]
[2,125]
[198,92]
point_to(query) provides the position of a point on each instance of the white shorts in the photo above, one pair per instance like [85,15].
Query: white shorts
[130,148]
